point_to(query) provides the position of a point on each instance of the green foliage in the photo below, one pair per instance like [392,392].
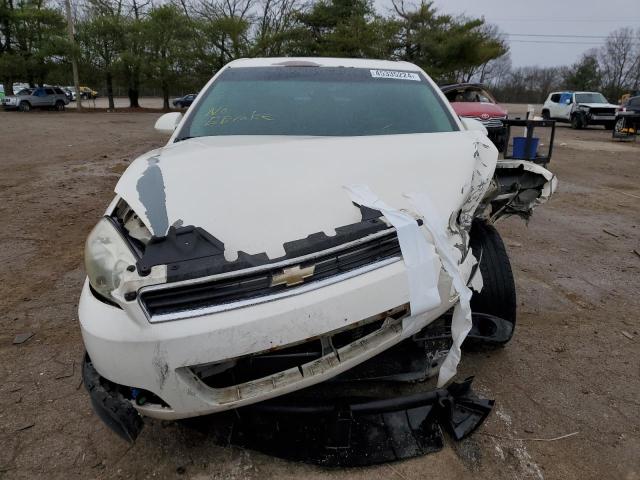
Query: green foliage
[447,48]
[341,28]
[584,74]
[175,47]
[169,54]
[31,40]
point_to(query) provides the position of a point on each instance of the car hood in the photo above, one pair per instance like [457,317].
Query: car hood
[599,105]
[476,109]
[255,193]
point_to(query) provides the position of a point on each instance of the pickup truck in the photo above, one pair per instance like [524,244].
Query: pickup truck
[581,109]
[40,97]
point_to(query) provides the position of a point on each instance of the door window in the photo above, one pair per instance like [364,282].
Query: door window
[555,98]
[565,98]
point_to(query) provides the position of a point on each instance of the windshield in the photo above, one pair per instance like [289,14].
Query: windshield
[590,98]
[470,95]
[317,101]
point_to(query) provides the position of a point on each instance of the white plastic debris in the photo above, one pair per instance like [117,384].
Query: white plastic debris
[423,265]
[461,320]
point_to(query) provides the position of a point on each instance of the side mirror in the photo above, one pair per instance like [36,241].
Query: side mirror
[168,122]
[473,124]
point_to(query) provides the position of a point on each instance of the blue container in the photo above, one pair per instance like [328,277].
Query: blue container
[518,148]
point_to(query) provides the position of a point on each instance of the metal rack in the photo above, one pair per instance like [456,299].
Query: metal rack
[531,126]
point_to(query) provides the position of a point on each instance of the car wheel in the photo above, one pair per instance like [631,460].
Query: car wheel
[618,127]
[498,294]
[60,106]
[576,122]
[24,106]
[545,115]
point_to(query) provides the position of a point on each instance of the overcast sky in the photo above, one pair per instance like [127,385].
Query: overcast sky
[573,19]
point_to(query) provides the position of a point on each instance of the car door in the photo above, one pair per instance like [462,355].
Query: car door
[552,105]
[39,97]
[50,97]
[563,109]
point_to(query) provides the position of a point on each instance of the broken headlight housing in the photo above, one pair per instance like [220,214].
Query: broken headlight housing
[106,257]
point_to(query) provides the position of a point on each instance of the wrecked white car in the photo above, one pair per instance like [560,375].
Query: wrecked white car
[305,216]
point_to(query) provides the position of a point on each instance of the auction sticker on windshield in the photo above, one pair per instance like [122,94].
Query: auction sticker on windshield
[395,75]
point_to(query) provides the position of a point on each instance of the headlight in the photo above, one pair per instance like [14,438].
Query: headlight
[106,257]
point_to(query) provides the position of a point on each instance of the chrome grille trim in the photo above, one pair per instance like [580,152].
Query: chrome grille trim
[320,257]
[304,288]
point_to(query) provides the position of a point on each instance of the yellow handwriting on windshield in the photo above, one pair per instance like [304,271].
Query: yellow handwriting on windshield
[218,116]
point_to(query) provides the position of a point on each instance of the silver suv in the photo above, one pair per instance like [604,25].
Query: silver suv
[40,97]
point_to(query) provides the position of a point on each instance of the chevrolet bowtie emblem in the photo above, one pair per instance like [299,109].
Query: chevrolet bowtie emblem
[292,276]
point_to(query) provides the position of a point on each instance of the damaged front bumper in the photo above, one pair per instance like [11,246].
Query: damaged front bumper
[168,359]
[347,429]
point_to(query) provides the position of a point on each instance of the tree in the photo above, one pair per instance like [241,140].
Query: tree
[277,19]
[495,71]
[341,28]
[226,28]
[102,40]
[132,55]
[169,54]
[584,74]
[32,41]
[619,61]
[450,49]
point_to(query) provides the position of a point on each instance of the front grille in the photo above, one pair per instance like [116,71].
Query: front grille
[215,292]
[602,111]
[490,122]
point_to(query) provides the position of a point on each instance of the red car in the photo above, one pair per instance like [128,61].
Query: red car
[472,100]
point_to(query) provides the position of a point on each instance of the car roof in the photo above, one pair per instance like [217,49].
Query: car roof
[323,62]
[453,86]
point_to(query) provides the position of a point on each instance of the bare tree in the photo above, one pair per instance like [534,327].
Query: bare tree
[275,18]
[494,71]
[228,23]
[619,61]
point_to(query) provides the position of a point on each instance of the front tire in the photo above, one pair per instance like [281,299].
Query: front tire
[576,122]
[498,295]
[24,106]
[546,115]
[618,128]
[60,106]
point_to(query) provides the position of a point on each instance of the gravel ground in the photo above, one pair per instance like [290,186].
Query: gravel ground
[573,366]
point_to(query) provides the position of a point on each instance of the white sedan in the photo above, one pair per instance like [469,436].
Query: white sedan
[296,202]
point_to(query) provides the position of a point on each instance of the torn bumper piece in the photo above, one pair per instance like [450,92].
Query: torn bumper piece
[348,431]
[110,405]
[359,432]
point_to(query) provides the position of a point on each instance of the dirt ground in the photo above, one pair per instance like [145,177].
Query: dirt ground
[573,366]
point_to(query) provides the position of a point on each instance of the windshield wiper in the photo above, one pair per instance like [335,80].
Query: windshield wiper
[179,139]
